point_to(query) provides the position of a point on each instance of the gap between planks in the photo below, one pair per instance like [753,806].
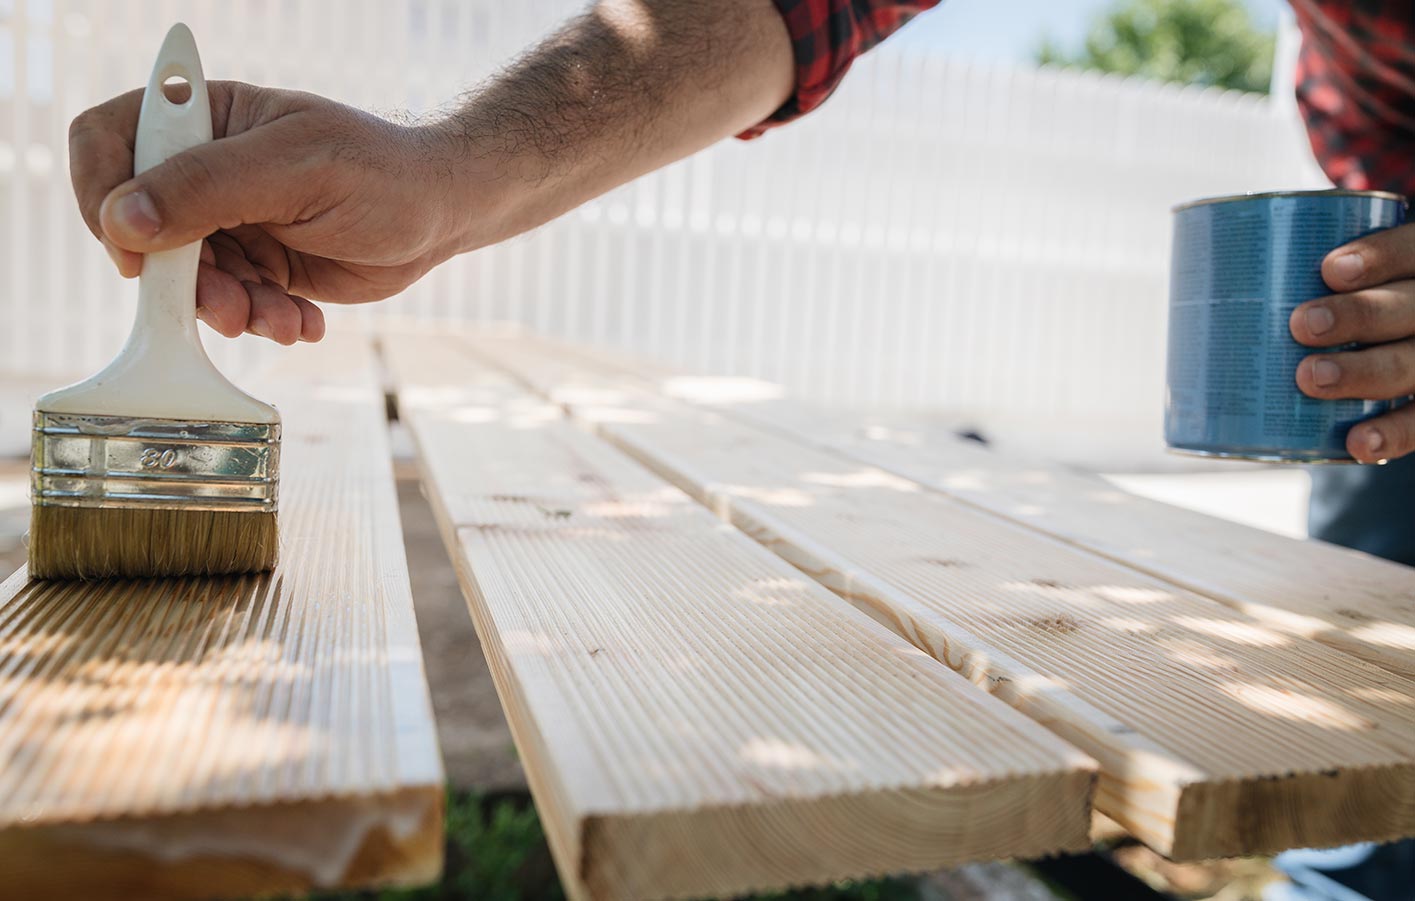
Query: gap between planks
[1217,734]
[696,717]
[238,735]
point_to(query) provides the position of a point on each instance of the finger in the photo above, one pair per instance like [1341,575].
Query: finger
[1383,438]
[311,320]
[222,302]
[266,254]
[231,257]
[1381,257]
[101,152]
[254,177]
[274,314]
[1371,316]
[207,254]
[1376,373]
[101,145]
[129,264]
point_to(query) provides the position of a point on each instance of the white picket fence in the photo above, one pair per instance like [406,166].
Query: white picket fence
[980,239]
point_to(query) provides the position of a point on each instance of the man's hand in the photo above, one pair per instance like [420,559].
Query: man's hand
[301,198]
[1375,304]
[297,197]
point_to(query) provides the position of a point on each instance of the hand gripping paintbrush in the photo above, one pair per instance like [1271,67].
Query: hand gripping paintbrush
[157,465]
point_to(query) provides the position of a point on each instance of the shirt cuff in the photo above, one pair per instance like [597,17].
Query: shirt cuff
[826,38]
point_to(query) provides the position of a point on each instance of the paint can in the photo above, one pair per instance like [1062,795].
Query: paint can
[1240,266]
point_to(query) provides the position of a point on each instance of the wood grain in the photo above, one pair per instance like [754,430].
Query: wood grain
[695,717]
[1352,601]
[228,736]
[1217,734]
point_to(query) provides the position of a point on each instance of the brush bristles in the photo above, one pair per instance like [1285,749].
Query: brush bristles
[132,543]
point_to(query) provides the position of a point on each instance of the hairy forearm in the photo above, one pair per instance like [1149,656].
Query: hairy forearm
[627,87]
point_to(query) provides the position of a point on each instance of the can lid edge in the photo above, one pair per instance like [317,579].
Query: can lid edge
[1264,195]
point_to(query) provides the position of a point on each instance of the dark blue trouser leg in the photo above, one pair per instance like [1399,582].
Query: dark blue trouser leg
[1370,508]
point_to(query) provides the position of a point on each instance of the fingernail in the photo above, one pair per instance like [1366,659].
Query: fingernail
[1319,320]
[1374,442]
[1325,373]
[137,213]
[262,328]
[1348,267]
[204,316]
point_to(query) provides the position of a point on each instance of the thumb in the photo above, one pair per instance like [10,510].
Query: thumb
[218,185]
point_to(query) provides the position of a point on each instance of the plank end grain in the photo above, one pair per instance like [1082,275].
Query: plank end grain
[672,854]
[263,849]
[1277,812]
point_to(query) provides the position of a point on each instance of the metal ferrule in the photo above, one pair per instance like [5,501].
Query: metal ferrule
[121,461]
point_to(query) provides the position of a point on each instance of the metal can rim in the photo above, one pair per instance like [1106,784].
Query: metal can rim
[1261,455]
[1267,195]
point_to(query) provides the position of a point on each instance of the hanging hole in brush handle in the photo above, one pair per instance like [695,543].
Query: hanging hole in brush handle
[177,90]
[163,371]
[172,122]
[167,289]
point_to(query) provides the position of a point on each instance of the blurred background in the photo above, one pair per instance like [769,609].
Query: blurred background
[975,228]
[960,229]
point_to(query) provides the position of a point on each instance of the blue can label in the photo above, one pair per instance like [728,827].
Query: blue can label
[1240,267]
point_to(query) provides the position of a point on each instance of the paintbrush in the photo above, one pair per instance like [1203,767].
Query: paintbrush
[157,465]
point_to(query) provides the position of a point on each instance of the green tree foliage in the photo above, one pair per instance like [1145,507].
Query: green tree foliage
[1209,42]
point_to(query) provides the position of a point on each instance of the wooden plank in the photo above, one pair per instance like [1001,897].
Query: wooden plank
[1217,734]
[695,717]
[1352,601]
[205,737]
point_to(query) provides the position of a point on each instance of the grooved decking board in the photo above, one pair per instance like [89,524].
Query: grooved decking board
[224,737]
[1217,734]
[695,717]
[1352,601]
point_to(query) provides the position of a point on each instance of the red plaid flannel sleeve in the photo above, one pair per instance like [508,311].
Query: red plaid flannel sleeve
[1356,90]
[826,36]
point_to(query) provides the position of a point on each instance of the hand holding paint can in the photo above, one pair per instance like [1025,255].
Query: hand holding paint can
[1240,266]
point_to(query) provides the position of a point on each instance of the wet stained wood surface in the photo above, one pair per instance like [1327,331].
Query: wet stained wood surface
[233,736]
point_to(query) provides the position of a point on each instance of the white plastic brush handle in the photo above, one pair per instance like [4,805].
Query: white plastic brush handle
[163,371]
